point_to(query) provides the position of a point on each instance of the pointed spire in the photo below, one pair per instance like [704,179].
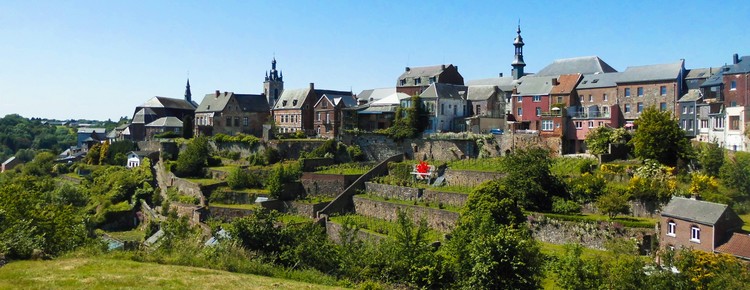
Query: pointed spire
[188,94]
[518,62]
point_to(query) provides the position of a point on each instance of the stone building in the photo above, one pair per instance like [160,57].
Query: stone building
[230,113]
[294,111]
[659,85]
[328,115]
[416,80]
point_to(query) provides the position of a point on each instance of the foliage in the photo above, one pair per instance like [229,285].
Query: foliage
[116,154]
[239,138]
[652,182]
[703,185]
[167,135]
[187,127]
[406,122]
[598,140]
[735,173]
[574,272]
[710,157]
[586,188]
[529,178]
[494,164]
[280,175]
[346,168]
[192,161]
[94,155]
[701,270]
[563,206]
[613,203]
[239,178]
[355,153]
[329,147]
[660,138]
[18,133]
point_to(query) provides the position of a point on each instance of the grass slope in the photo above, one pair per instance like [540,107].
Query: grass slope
[102,273]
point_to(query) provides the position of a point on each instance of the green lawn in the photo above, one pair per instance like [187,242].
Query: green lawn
[627,221]
[103,273]
[379,226]
[346,168]
[250,206]
[434,205]
[484,164]
[132,235]
[203,181]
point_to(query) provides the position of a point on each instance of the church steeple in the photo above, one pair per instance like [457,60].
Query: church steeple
[188,94]
[274,84]
[518,63]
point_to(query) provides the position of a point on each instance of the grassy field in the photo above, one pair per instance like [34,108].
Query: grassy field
[379,226]
[250,206]
[102,273]
[434,205]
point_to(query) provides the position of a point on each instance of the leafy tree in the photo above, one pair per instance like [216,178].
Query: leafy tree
[529,178]
[613,203]
[652,182]
[710,158]
[41,165]
[573,272]
[104,153]
[238,178]
[598,140]
[93,156]
[194,158]
[187,127]
[660,138]
[702,270]
[735,173]
[586,187]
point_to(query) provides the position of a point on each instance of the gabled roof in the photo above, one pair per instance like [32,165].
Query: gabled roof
[535,85]
[701,73]
[392,99]
[375,94]
[9,160]
[566,84]
[292,99]
[140,115]
[582,65]
[142,153]
[738,245]
[424,71]
[691,96]
[716,79]
[654,72]
[741,67]
[481,92]
[247,102]
[169,122]
[702,212]
[444,91]
[347,100]
[170,103]
[252,103]
[605,80]
[90,130]
[505,84]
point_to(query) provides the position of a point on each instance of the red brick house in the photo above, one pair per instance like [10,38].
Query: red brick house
[697,224]
[294,111]
[415,80]
[328,116]
[596,106]
[231,114]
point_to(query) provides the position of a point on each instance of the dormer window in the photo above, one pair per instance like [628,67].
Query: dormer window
[433,80]
[403,82]
[283,103]
[294,102]
[417,81]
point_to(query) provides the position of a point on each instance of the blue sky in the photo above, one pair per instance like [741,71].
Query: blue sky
[100,59]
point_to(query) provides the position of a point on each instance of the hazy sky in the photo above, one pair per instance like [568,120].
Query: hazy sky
[100,59]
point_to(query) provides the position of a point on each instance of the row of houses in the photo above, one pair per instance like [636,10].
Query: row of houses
[563,101]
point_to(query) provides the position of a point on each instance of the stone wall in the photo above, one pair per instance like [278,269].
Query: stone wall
[447,198]
[437,219]
[244,149]
[227,214]
[290,149]
[508,142]
[592,235]
[334,233]
[310,164]
[637,209]
[378,147]
[305,209]
[329,185]
[392,191]
[469,178]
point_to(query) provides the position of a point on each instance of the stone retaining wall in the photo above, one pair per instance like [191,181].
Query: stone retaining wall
[228,214]
[469,178]
[437,219]
[329,185]
[334,233]
[393,191]
[592,235]
[444,197]
[637,209]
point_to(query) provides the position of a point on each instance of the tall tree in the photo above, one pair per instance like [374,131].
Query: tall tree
[659,137]
[711,158]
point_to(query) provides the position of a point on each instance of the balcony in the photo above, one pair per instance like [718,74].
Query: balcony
[590,115]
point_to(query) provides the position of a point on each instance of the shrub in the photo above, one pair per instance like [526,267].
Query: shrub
[563,206]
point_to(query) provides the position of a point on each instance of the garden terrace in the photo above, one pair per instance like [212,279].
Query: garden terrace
[377,226]
[373,206]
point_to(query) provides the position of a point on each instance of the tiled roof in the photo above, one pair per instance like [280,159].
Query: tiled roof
[170,122]
[566,84]
[698,211]
[535,85]
[606,80]
[701,73]
[481,92]
[247,102]
[444,91]
[582,65]
[691,96]
[655,72]
[252,103]
[738,245]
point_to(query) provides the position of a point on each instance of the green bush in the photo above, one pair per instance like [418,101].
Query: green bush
[239,138]
[167,135]
[563,206]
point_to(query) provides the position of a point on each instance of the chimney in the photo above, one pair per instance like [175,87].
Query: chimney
[312,86]
[218,93]
[442,66]
[408,68]
[554,82]
[501,74]
[735,59]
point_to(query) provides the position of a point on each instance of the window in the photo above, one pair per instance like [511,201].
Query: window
[695,234]
[318,116]
[432,80]
[591,98]
[640,91]
[690,109]
[683,124]
[640,107]
[662,107]
[684,109]
[417,81]
[663,90]
[733,85]
[478,110]
[591,124]
[236,121]
[519,99]
[442,109]
[734,122]
[627,92]
[325,105]
[718,122]
[245,121]
[580,97]
[403,83]
[229,121]
[627,108]
[733,104]
[547,125]
[455,110]
[579,125]
[537,98]
[704,124]
[538,111]
[690,125]
[328,118]
[605,111]
[671,226]
[520,111]
[604,97]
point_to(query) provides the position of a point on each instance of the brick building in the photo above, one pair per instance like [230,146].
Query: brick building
[230,113]
[659,85]
[328,116]
[701,225]
[416,80]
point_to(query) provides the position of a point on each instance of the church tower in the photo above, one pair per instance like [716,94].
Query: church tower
[273,85]
[188,94]
[518,63]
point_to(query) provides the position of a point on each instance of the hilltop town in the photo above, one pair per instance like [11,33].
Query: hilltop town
[578,176]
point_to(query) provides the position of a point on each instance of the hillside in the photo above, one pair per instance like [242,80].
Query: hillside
[102,273]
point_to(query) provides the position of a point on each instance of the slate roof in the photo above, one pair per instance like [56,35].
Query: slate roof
[289,95]
[171,103]
[738,245]
[140,116]
[392,99]
[605,80]
[566,84]
[691,96]
[701,73]
[505,84]
[169,122]
[534,85]
[743,66]
[444,91]
[699,211]
[654,72]
[142,153]
[716,79]
[91,130]
[375,94]
[347,99]
[247,102]
[424,71]
[481,92]
[582,65]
